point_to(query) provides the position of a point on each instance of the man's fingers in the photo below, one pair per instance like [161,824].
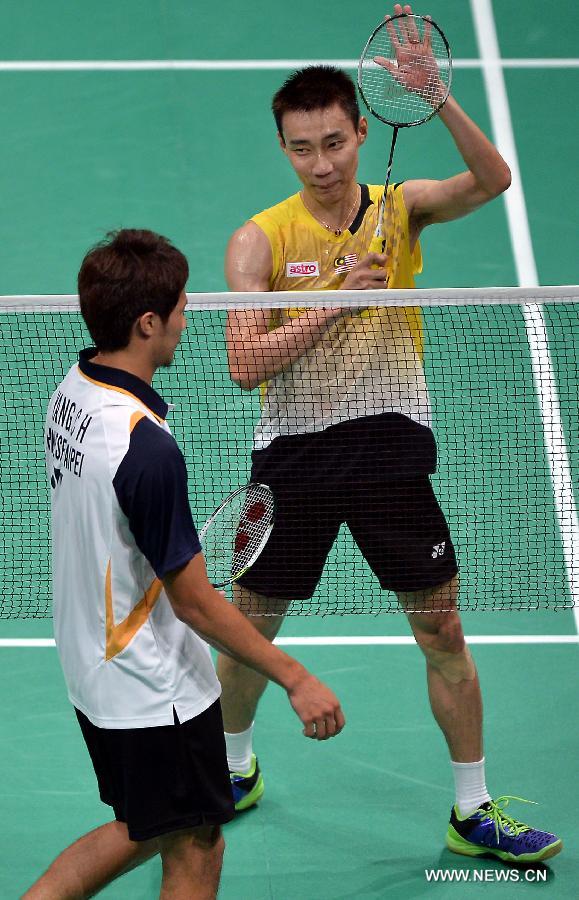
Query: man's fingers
[322,729]
[340,719]
[316,730]
[376,279]
[310,730]
[386,64]
[374,259]
[393,33]
[413,33]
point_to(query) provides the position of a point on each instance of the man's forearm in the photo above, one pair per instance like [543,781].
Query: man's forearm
[206,611]
[259,357]
[481,157]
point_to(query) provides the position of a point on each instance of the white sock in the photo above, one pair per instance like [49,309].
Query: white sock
[470,786]
[239,750]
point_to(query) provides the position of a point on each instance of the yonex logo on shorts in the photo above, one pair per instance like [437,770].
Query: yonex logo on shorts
[438,550]
[298,269]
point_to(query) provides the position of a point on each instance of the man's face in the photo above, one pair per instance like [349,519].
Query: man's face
[322,146]
[170,333]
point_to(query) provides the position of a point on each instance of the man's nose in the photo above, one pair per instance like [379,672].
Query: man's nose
[322,165]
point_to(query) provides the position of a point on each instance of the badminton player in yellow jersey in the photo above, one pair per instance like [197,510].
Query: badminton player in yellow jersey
[344,435]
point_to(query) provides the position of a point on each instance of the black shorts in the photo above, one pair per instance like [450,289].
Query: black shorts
[372,474]
[164,778]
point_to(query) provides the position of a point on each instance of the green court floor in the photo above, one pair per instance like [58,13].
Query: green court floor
[193,154]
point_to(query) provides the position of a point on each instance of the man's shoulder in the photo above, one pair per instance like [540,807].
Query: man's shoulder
[151,441]
[152,455]
[281,212]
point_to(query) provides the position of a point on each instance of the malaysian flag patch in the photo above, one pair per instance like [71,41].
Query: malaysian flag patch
[345,263]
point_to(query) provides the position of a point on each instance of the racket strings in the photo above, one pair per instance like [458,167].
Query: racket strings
[252,524]
[236,533]
[416,80]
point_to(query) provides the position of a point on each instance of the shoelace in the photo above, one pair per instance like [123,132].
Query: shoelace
[509,826]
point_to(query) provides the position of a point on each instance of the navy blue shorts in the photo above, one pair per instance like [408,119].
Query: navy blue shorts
[372,475]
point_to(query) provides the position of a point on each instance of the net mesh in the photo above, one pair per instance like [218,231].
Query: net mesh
[344,430]
[408,90]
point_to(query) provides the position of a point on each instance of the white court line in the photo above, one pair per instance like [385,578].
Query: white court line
[544,375]
[237,65]
[408,641]
[363,641]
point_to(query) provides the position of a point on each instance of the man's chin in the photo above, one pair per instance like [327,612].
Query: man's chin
[325,189]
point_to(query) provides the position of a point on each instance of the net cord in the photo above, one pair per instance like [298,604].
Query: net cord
[430,297]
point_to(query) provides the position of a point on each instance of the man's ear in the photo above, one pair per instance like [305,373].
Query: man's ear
[362,130]
[145,324]
[281,140]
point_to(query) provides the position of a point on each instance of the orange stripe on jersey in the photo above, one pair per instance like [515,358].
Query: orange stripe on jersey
[135,419]
[119,636]
[112,387]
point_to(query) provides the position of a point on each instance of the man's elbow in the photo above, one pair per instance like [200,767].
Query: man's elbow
[190,610]
[503,180]
[182,606]
[242,378]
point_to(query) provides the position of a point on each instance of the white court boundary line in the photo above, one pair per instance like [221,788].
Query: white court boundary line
[359,641]
[252,65]
[560,469]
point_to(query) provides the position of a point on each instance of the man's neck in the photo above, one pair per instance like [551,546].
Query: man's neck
[128,362]
[337,213]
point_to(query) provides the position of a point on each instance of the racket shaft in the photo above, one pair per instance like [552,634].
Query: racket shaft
[378,242]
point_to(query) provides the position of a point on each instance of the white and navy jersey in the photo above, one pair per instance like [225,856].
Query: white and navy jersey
[120,522]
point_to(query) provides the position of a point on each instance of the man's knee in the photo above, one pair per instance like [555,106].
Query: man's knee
[444,647]
[260,607]
[205,840]
[209,837]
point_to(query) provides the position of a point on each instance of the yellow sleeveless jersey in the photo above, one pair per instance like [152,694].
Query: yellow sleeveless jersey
[308,257]
[366,363]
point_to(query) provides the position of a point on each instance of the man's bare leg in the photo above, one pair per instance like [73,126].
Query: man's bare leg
[92,862]
[192,861]
[453,685]
[242,688]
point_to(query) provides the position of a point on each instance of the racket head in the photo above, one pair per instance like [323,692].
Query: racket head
[405,41]
[235,534]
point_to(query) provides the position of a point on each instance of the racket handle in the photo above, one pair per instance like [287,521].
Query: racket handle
[377,245]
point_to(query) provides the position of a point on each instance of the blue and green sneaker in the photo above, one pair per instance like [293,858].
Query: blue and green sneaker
[489,830]
[247,788]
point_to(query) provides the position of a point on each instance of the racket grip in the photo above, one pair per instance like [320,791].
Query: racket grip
[377,245]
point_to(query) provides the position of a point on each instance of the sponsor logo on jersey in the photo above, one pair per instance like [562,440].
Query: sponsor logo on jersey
[301,269]
[345,263]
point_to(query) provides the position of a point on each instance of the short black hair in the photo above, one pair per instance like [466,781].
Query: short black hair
[316,87]
[129,273]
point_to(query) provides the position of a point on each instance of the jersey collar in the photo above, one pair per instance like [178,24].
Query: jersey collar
[125,382]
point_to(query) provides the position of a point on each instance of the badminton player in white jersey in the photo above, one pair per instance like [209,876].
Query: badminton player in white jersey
[344,435]
[131,598]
